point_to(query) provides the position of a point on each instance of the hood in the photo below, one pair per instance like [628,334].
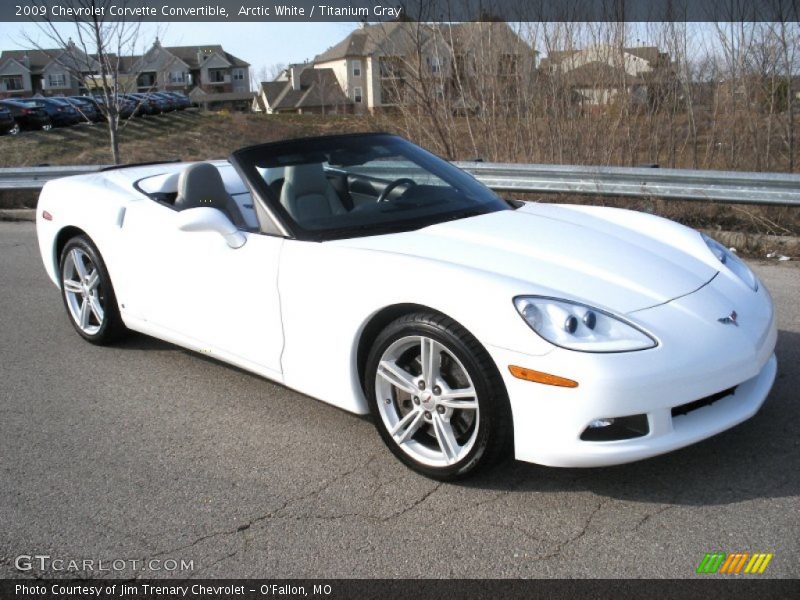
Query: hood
[594,255]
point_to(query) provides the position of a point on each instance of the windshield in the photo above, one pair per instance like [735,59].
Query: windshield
[357,185]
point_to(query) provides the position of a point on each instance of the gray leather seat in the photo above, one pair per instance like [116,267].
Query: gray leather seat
[307,193]
[201,184]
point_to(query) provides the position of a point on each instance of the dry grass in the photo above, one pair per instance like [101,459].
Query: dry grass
[186,135]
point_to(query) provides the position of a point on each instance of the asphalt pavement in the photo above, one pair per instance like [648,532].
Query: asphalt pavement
[143,451]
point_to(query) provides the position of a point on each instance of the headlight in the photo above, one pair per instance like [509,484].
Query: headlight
[733,262]
[578,327]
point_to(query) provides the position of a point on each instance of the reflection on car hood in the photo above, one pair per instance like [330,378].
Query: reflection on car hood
[567,251]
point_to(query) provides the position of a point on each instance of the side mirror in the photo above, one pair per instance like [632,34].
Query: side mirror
[205,218]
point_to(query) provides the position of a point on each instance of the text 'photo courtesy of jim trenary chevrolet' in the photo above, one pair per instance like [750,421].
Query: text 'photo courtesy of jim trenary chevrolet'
[351,299]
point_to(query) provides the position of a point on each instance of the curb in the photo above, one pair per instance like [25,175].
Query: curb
[17,214]
[757,245]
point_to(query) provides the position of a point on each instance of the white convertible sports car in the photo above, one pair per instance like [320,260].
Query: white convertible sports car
[368,273]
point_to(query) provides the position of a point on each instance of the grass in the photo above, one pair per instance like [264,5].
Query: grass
[187,135]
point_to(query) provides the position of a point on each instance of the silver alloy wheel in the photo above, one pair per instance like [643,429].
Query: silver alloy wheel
[427,401]
[14,130]
[81,282]
[47,126]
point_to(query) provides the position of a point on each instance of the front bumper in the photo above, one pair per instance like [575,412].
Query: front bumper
[697,357]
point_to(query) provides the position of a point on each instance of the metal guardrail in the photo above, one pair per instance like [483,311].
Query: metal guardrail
[720,186]
[33,178]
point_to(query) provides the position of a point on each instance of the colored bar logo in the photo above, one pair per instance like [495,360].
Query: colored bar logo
[735,563]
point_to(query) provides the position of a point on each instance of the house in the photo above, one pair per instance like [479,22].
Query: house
[212,77]
[597,75]
[382,65]
[183,68]
[303,89]
[49,72]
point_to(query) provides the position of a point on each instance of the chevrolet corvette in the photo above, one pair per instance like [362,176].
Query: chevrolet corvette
[368,273]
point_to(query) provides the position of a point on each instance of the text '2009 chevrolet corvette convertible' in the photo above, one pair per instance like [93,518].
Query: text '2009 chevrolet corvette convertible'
[368,273]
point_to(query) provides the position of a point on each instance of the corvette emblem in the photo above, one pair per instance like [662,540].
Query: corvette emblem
[730,319]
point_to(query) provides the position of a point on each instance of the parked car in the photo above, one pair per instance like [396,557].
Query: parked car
[144,104]
[382,279]
[7,122]
[28,113]
[182,99]
[127,107]
[171,101]
[61,112]
[86,108]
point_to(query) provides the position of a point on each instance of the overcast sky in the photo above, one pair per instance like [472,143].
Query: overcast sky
[260,44]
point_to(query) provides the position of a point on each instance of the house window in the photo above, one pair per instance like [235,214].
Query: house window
[217,76]
[356,68]
[357,95]
[238,75]
[390,68]
[146,80]
[55,80]
[11,83]
[508,65]
[177,77]
[434,64]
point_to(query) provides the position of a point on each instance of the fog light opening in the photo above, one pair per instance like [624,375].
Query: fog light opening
[612,429]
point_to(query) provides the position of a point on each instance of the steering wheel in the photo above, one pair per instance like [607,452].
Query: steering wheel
[384,197]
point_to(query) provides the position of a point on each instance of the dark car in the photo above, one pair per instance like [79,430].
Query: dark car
[126,106]
[28,113]
[164,104]
[171,101]
[182,99]
[144,104]
[7,122]
[61,112]
[86,108]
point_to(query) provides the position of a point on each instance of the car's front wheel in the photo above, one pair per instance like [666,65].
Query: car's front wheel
[87,292]
[436,397]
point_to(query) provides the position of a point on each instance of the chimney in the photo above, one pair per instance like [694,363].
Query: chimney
[26,60]
[294,76]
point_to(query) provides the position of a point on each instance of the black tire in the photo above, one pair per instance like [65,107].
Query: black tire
[494,437]
[111,327]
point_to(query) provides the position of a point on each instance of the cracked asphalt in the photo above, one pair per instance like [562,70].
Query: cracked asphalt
[144,450]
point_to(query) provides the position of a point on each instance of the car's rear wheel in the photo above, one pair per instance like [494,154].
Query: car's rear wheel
[437,399]
[47,127]
[88,294]
[15,129]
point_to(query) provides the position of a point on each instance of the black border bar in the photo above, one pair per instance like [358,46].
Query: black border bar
[411,10]
[706,588]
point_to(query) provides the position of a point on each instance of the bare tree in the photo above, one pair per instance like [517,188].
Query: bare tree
[96,57]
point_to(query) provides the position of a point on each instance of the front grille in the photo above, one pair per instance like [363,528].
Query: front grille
[685,409]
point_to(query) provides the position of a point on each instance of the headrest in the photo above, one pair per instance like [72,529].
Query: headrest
[201,184]
[307,179]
